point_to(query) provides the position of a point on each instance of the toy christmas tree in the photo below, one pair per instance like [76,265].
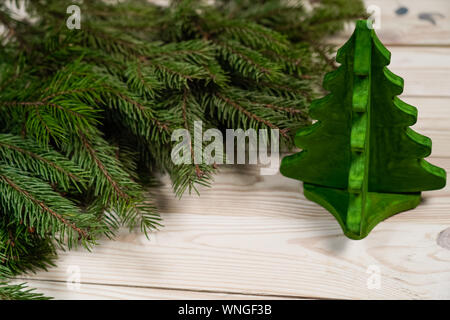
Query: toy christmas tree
[361,161]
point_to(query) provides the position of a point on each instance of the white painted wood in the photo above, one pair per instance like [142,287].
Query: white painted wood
[61,291]
[426,71]
[433,121]
[408,29]
[259,235]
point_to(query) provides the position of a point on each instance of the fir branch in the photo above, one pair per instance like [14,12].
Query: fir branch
[49,165]
[102,167]
[285,109]
[18,292]
[235,53]
[11,179]
[144,111]
[250,115]
[198,171]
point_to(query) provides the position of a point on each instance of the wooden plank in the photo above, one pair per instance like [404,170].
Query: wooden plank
[433,121]
[256,235]
[409,29]
[425,70]
[60,291]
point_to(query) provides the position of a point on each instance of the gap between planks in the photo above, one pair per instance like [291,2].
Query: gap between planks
[213,293]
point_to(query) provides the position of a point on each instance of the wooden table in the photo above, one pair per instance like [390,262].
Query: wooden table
[253,236]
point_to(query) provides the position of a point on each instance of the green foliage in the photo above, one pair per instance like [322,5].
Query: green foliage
[18,292]
[14,291]
[86,116]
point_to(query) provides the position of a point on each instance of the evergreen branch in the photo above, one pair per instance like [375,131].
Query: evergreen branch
[144,84]
[18,292]
[115,43]
[285,109]
[295,90]
[50,132]
[102,167]
[250,115]
[143,110]
[176,74]
[44,102]
[198,171]
[54,168]
[22,249]
[172,71]
[254,35]
[330,61]
[44,207]
[62,93]
[243,56]
[196,51]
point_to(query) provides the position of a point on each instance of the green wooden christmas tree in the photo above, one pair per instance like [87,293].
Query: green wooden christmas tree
[360,160]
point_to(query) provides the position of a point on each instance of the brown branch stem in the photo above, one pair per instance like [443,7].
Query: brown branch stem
[44,206]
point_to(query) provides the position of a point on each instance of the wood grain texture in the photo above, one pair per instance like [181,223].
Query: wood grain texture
[87,291]
[409,29]
[258,235]
[426,70]
[252,236]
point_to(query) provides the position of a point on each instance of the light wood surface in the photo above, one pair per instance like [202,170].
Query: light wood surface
[409,29]
[88,291]
[253,236]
